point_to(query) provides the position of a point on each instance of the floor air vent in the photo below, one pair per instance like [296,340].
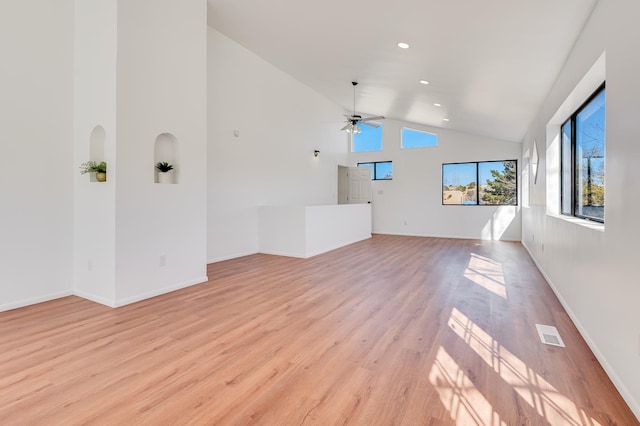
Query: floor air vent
[549,335]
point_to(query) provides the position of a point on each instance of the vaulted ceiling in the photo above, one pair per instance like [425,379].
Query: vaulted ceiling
[489,63]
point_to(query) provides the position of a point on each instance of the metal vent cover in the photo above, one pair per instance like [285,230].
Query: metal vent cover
[549,335]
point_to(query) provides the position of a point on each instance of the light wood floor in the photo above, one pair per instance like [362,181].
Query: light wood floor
[392,330]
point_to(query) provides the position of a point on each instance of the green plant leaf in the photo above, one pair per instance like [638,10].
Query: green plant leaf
[164,166]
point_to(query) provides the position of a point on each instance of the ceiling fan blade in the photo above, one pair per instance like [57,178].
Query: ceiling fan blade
[377,117]
[374,125]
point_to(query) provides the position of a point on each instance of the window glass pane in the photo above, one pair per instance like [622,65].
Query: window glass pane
[589,160]
[498,183]
[459,184]
[417,139]
[370,139]
[370,165]
[525,176]
[384,171]
[565,181]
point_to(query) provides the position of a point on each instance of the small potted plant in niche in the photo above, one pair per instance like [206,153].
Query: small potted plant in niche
[100,169]
[165,172]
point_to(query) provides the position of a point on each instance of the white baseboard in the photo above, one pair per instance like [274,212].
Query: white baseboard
[231,256]
[626,395]
[307,255]
[336,246]
[283,253]
[32,301]
[454,237]
[97,299]
[159,292]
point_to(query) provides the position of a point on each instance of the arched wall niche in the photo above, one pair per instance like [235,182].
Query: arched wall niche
[96,147]
[166,149]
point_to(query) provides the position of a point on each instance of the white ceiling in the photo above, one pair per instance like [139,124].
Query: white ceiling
[490,63]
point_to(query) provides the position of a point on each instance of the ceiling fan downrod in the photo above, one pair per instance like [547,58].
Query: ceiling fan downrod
[354,83]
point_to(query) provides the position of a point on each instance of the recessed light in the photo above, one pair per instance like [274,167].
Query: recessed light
[438,105]
[445,119]
[402,45]
[424,82]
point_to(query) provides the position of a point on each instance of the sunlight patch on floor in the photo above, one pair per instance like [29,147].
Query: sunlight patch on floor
[465,403]
[486,273]
[550,404]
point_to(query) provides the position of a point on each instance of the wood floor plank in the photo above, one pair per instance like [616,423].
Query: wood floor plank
[392,330]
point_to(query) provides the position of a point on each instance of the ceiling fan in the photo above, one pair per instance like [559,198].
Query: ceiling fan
[354,120]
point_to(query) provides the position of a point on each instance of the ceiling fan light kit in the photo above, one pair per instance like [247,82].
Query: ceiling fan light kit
[354,120]
[353,128]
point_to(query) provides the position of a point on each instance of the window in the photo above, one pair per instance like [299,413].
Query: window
[459,183]
[369,139]
[417,139]
[380,170]
[582,178]
[490,183]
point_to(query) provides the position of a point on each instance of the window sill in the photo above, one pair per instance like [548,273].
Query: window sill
[596,226]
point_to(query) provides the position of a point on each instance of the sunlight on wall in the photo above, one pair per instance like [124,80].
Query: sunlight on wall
[465,403]
[498,224]
[551,405]
[553,169]
[525,179]
[486,273]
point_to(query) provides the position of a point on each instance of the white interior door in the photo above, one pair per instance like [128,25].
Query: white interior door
[359,185]
[343,185]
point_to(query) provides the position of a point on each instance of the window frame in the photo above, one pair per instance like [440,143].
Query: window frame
[374,169]
[477,203]
[572,120]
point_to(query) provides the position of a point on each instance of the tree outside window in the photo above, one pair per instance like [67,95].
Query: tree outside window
[480,183]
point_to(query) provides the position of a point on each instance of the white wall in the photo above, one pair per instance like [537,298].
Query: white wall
[411,203]
[95,105]
[36,177]
[305,231]
[280,122]
[140,71]
[594,272]
[161,88]
[331,227]
[281,230]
